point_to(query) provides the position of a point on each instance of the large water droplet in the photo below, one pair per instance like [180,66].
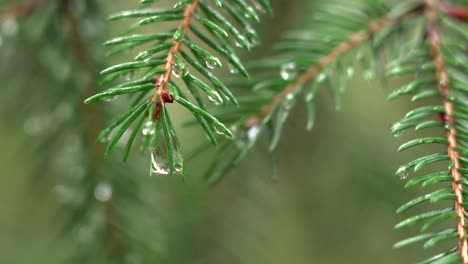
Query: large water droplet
[148,129]
[159,165]
[288,71]
[402,173]
[160,156]
[103,192]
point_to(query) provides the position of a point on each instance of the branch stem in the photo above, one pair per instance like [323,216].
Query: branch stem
[21,10]
[342,48]
[443,80]
[177,45]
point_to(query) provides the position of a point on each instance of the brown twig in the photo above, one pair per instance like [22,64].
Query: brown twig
[21,10]
[92,123]
[456,11]
[443,80]
[160,82]
[344,47]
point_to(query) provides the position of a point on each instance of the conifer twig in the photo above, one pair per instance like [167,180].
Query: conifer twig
[456,11]
[92,123]
[443,80]
[160,82]
[21,10]
[341,49]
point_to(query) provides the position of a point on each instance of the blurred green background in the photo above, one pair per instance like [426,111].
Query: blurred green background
[334,202]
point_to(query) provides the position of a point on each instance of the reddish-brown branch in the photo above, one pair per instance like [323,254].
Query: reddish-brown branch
[342,48]
[456,11]
[20,10]
[160,82]
[443,80]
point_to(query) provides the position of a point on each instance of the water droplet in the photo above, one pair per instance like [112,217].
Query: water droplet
[160,159]
[159,165]
[321,77]
[128,76]
[215,101]
[243,40]
[249,13]
[148,129]
[350,72]
[260,8]
[179,71]
[289,101]
[219,132]
[253,132]
[178,35]
[232,69]
[1,41]
[288,71]
[176,70]
[402,173]
[397,133]
[212,63]
[110,99]
[252,37]
[103,192]
[10,27]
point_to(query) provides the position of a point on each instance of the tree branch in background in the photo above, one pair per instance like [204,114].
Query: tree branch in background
[92,125]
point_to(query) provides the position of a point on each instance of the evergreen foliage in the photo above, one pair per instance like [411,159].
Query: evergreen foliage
[423,41]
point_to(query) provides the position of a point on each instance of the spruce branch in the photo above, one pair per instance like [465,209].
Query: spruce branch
[166,77]
[433,60]
[457,11]
[343,48]
[204,36]
[306,59]
[442,77]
